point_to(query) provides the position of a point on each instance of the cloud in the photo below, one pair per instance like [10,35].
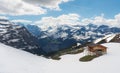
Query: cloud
[47,23]
[21,21]
[51,4]
[28,7]
[96,20]
[3,17]
[19,7]
[114,22]
[99,20]
[53,22]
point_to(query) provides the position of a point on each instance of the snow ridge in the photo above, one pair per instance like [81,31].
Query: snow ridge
[108,38]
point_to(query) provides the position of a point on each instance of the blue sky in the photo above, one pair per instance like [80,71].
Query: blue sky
[84,8]
[88,8]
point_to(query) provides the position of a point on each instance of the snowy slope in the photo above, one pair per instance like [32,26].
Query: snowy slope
[16,61]
[109,63]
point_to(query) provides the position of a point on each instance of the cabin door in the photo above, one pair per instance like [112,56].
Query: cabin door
[98,52]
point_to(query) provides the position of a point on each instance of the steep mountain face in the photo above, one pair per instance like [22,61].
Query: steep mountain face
[56,38]
[116,38]
[18,36]
[108,38]
[33,29]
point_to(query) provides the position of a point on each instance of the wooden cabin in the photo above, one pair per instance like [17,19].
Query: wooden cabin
[96,49]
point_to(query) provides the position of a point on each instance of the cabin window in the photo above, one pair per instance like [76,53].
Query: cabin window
[99,50]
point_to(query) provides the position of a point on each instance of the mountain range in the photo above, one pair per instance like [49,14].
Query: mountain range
[35,39]
[55,38]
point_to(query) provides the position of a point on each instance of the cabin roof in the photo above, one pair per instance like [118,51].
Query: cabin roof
[94,45]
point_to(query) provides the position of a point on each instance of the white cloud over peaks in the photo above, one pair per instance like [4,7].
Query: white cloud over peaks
[28,7]
[99,20]
[74,19]
[54,22]
[3,17]
[96,20]
[21,21]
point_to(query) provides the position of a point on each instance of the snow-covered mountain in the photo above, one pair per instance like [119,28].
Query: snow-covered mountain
[78,32]
[109,38]
[55,38]
[18,36]
[13,60]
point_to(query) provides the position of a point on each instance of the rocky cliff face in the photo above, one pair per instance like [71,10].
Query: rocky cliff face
[116,38]
[18,36]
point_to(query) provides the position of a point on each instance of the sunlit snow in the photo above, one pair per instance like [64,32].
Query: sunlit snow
[17,61]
